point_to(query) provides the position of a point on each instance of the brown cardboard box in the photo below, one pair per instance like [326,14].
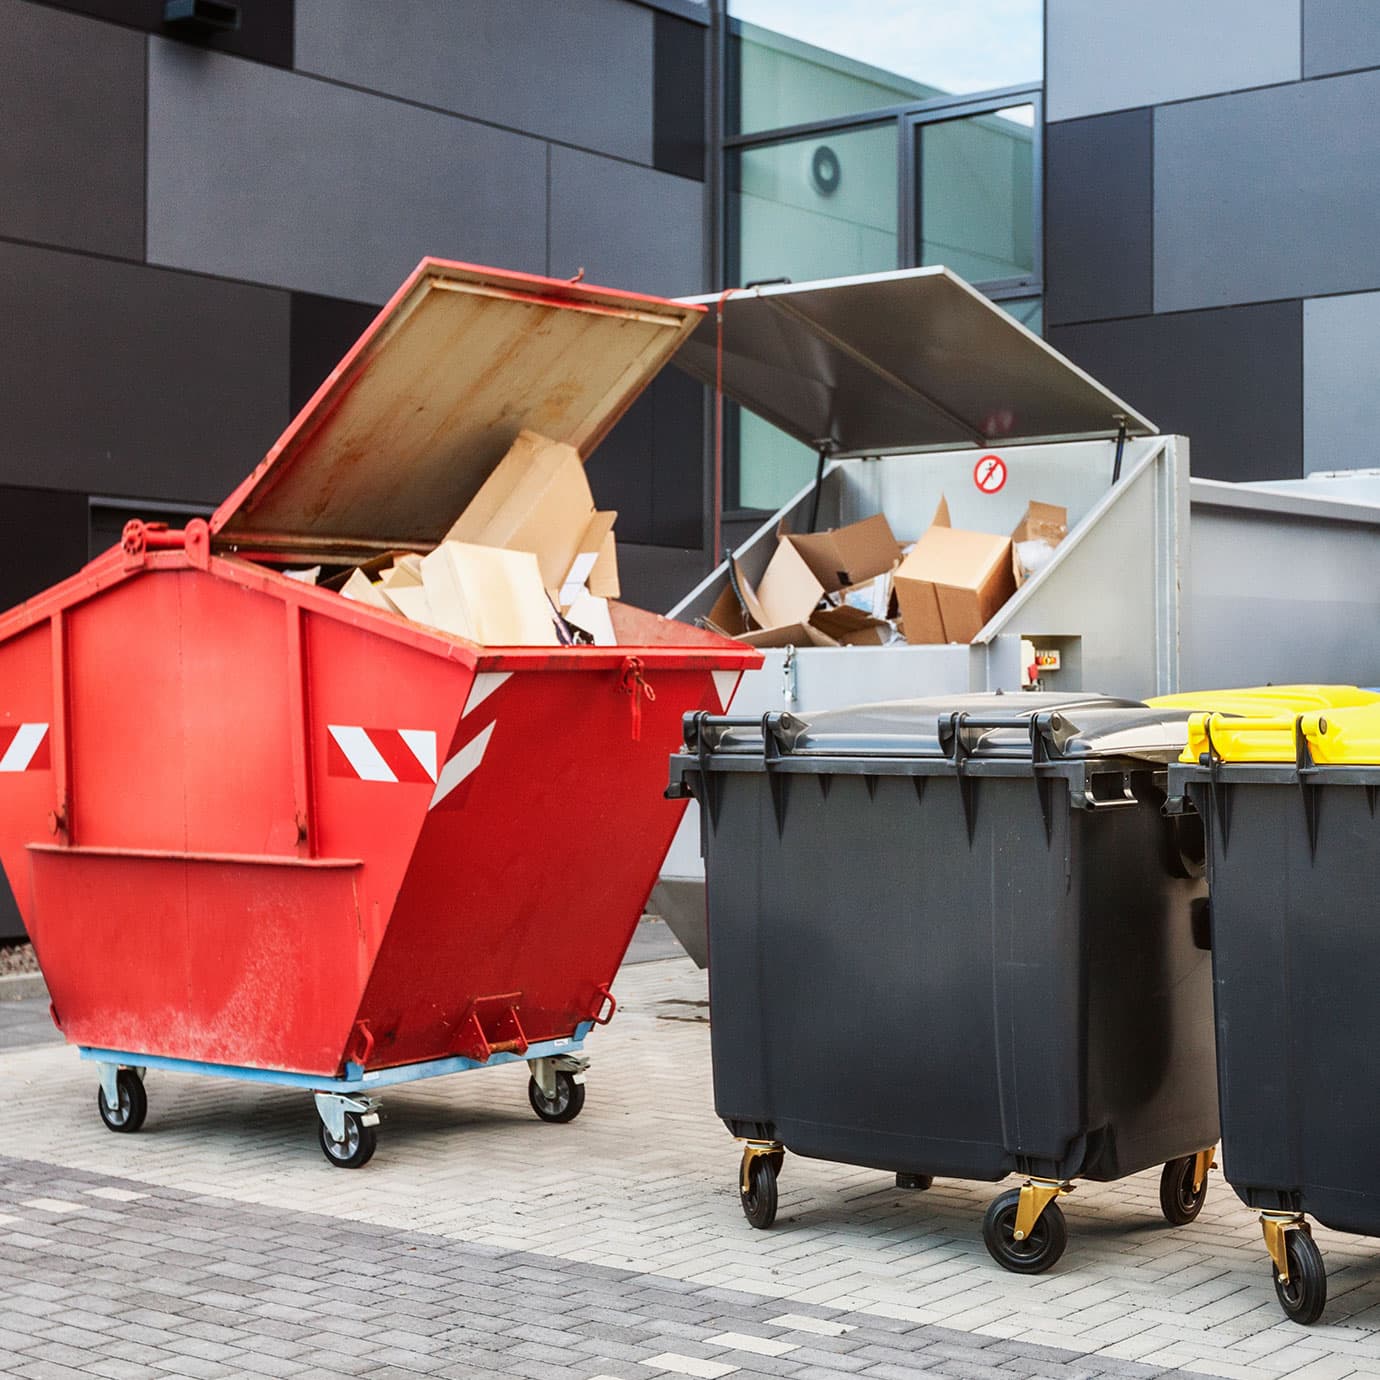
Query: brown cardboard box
[1047,523]
[802,570]
[954,581]
[846,626]
[488,595]
[537,499]
[595,562]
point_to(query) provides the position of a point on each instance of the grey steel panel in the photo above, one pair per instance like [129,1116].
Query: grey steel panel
[1268,194]
[1233,380]
[581,73]
[1105,55]
[1275,595]
[1341,363]
[1340,36]
[273,177]
[127,380]
[72,112]
[627,226]
[888,362]
[1099,211]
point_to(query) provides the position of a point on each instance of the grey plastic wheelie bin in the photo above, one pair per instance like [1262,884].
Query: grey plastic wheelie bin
[958,937]
[1293,856]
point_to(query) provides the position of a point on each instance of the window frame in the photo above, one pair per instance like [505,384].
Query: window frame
[908,119]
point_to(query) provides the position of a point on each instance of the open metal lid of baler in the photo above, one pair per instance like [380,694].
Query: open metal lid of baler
[399,438]
[895,363]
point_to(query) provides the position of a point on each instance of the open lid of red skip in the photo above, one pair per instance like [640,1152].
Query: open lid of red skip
[399,438]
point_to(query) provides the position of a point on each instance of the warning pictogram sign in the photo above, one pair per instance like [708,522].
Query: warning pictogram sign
[989,474]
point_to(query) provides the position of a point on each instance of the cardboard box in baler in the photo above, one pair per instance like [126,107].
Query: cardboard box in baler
[804,568]
[954,581]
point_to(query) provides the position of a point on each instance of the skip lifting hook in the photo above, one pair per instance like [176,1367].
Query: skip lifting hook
[634,684]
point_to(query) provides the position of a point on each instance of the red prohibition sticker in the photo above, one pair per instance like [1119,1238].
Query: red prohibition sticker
[989,474]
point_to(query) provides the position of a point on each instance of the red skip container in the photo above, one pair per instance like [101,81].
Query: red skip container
[256,829]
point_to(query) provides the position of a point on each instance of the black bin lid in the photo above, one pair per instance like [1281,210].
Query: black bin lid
[1089,727]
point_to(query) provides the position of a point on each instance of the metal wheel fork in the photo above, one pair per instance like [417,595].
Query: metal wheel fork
[756,1150]
[1276,1227]
[1202,1162]
[1036,1196]
[331,1108]
[544,1071]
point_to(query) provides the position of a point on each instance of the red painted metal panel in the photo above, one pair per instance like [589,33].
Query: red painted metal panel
[253,963]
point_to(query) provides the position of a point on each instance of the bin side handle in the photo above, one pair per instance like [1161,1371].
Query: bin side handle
[608,1005]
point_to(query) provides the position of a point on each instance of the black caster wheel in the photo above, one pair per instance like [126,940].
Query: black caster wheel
[132,1103]
[1038,1251]
[1179,1203]
[917,1183]
[759,1202]
[565,1106]
[358,1147]
[1305,1295]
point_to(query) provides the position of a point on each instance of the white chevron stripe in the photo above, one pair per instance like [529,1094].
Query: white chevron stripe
[463,764]
[726,682]
[485,683]
[23,746]
[421,743]
[361,753]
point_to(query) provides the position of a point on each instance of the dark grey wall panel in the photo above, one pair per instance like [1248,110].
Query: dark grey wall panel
[1340,36]
[1341,382]
[1268,194]
[1099,218]
[264,34]
[43,532]
[679,133]
[273,177]
[659,577]
[1105,55]
[323,329]
[581,72]
[72,116]
[122,379]
[628,227]
[650,467]
[1231,380]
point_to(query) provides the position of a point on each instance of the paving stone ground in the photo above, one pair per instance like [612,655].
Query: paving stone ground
[218,1242]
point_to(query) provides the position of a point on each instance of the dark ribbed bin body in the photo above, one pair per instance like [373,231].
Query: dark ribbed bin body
[1296,937]
[963,960]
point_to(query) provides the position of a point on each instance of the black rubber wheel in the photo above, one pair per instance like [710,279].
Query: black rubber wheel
[1038,1251]
[1179,1203]
[133,1103]
[759,1202]
[565,1106]
[358,1147]
[1305,1295]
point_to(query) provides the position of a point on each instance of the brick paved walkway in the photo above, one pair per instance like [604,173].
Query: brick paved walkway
[480,1241]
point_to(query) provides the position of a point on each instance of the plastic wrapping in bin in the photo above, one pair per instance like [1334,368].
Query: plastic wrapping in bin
[258,829]
[957,937]
[1289,806]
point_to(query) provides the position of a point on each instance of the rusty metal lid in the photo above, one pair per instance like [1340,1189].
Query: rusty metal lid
[399,438]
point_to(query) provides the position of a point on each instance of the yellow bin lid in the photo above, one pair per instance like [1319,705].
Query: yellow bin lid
[1256,723]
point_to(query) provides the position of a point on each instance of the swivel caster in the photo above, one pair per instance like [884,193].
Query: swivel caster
[757,1183]
[126,1105]
[1015,1242]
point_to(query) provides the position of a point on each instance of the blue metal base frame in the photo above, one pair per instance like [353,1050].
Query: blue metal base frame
[356,1078]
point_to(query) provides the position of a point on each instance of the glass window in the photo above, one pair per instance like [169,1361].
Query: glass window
[811,208]
[793,61]
[974,194]
[814,208]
